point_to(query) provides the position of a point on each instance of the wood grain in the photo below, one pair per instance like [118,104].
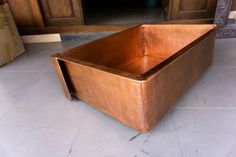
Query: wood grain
[76,29]
[233,7]
[191,9]
[37,14]
[62,12]
[22,13]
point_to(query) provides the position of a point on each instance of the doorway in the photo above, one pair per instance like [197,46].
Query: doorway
[122,11]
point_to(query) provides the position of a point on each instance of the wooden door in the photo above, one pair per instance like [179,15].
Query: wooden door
[233,7]
[192,9]
[22,12]
[62,12]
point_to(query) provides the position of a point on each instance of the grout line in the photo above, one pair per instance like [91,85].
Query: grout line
[6,71]
[177,136]
[72,143]
[34,83]
[202,108]
[35,127]
[2,117]
[222,67]
[41,108]
[176,133]
[215,131]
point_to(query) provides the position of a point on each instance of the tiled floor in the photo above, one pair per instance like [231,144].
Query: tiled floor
[36,120]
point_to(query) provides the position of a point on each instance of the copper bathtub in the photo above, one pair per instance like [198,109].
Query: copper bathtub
[138,74]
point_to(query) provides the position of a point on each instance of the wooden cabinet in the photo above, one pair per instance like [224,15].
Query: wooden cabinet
[62,12]
[233,7]
[50,16]
[190,9]
[36,16]
[22,12]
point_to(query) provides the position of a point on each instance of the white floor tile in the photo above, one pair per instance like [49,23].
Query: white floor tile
[48,93]
[14,86]
[4,111]
[41,117]
[36,142]
[225,55]
[216,89]
[93,143]
[30,62]
[214,120]
[166,123]
[206,144]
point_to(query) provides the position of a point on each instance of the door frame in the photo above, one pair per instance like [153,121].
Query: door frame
[221,17]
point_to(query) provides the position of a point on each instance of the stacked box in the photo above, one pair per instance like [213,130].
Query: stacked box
[11,44]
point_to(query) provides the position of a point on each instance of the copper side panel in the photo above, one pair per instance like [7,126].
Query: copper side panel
[119,97]
[59,70]
[164,88]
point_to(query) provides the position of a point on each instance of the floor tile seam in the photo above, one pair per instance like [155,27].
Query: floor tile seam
[201,108]
[34,84]
[26,71]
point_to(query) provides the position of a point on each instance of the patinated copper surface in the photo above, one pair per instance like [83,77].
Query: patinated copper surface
[138,74]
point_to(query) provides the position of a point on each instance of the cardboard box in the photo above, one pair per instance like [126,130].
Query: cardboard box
[11,44]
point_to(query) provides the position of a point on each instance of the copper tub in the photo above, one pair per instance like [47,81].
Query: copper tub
[138,74]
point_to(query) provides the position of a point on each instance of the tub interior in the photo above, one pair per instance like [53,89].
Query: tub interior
[139,49]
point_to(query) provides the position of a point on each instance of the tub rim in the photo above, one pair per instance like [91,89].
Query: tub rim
[137,77]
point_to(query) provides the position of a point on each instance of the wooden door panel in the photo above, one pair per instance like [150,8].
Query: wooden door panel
[62,12]
[197,5]
[64,8]
[22,13]
[233,7]
[192,9]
